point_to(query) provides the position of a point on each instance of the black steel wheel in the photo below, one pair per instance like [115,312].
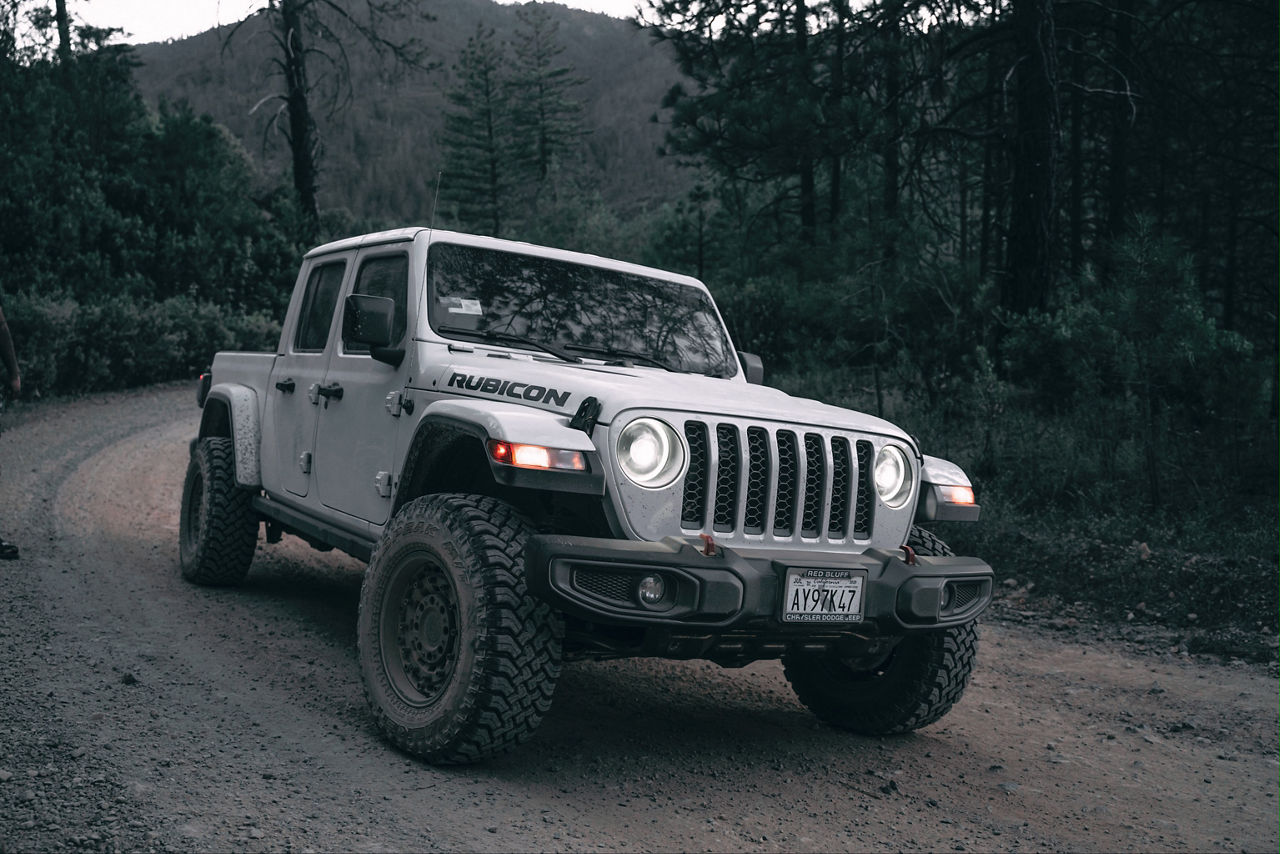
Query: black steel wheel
[419,631]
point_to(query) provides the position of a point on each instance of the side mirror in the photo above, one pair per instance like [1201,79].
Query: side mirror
[369,321]
[752,367]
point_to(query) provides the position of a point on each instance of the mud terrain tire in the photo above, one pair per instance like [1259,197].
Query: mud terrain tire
[459,662]
[218,530]
[916,685]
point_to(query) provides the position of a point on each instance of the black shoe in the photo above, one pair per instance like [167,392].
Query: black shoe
[8,551]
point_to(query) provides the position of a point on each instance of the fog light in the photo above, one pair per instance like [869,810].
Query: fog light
[651,589]
[947,596]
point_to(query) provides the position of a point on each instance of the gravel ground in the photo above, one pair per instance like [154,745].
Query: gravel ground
[141,713]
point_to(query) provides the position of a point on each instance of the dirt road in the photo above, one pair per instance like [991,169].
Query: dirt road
[139,712]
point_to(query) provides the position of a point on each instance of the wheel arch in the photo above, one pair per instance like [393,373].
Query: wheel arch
[231,411]
[444,456]
[449,453]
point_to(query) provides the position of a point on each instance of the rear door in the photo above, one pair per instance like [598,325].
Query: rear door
[289,426]
[356,438]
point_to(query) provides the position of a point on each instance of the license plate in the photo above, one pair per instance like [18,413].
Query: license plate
[823,596]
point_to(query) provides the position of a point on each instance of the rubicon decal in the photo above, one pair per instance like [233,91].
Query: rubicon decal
[507,388]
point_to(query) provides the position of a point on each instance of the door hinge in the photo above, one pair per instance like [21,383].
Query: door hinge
[304,462]
[383,483]
[313,393]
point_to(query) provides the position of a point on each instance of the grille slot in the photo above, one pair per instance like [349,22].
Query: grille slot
[864,505]
[726,477]
[757,480]
[694,507]
[749,479]
[841,479]
[784,510]
[814,478]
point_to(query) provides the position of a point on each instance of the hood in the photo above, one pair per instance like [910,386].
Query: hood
[562,386]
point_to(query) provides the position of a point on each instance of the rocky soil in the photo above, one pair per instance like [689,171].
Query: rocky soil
[140,713]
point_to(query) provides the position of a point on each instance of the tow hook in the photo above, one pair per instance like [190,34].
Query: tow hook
[910,553]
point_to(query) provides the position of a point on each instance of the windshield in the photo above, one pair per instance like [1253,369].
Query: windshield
[590,311]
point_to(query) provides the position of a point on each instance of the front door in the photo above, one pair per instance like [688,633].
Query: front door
[355,442]
[289,426]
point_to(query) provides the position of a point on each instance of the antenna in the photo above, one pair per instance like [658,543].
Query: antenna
[436,201]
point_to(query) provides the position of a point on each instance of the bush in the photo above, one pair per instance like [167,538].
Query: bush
[66,347]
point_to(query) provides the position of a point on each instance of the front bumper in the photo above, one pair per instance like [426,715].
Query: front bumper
[597,579]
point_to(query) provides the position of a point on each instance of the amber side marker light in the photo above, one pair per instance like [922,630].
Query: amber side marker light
[957,494]
[536,457]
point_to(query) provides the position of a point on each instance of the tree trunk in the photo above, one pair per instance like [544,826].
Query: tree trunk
[1075,205]
[1032,227]
[963,180]
[890,150]
[1118,187]
[808,192]
[64,32]
[986,224]
[1122,121]
[836,114]
[303,142]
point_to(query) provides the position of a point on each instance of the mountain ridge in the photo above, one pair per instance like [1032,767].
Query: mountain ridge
[382,149]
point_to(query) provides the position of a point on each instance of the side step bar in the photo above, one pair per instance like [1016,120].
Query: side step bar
[301,525]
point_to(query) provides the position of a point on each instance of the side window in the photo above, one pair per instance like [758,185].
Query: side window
[384,276]
[317,307]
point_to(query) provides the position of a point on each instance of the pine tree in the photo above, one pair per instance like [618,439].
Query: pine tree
[547,117]
[478,137]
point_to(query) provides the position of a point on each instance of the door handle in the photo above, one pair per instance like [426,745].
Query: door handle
[332,391]
[286,385]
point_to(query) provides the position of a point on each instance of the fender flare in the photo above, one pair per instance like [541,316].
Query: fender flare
[241,406]
[485,420]
[940,472]
[932,505]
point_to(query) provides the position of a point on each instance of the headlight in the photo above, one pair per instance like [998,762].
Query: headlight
[650,453]
[893,476]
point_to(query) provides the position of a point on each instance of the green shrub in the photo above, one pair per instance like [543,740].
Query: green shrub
[67,347]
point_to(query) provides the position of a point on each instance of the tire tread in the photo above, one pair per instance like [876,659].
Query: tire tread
[519,651]
[933,670]
[221,553]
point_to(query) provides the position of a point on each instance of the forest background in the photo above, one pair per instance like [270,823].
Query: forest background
[1039,234]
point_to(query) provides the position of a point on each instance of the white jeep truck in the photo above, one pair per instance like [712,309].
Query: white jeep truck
[548,456]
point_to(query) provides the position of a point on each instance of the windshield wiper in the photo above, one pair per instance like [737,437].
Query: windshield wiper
[513,338]
[634,355]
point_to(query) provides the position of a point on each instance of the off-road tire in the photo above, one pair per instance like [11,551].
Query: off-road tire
[217,528]
[459,661]
[919,682]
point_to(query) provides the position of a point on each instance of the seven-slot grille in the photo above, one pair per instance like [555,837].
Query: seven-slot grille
[779,481]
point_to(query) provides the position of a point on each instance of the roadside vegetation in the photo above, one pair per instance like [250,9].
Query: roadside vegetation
[1041,237]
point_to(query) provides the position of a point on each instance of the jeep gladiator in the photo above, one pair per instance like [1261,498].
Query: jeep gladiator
[547,456]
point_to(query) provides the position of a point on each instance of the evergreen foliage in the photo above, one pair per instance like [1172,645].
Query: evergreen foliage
[134,240]
[545,113]
[1014,221]
[510,135]
[479,140]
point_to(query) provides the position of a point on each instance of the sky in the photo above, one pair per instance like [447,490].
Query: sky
[158,20]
